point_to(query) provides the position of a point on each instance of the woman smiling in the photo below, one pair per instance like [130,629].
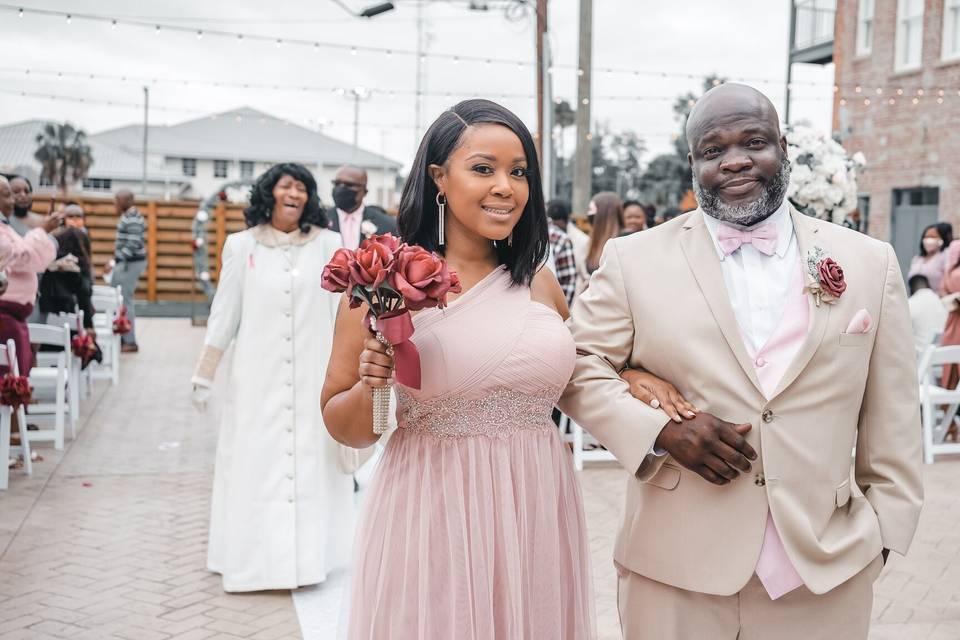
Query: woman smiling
[282,511]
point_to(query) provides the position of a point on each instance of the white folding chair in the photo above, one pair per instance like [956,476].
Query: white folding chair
[107,302]
[50,385]
[935,420]
[8,358]
[577,437]
[77,379]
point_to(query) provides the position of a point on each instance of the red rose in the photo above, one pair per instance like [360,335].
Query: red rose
[336,275]
[388,240]
[372,264]
[422,278]
[831,277]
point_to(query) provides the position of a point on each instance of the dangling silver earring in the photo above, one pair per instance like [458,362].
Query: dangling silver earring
[510,239]
[441,210]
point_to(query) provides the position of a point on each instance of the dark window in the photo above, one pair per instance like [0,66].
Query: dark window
[97,184]
[916,197]
[863,204]
[189,166]
[220,168]
[246,170]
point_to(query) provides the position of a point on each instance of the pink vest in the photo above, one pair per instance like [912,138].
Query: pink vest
[774,568]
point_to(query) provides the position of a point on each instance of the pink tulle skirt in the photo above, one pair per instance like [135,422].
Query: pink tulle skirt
[473,538]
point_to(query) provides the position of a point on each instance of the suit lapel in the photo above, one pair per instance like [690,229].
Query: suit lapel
[701,255]
[334,220]
[808,237]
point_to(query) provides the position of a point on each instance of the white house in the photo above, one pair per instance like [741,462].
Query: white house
[198,158]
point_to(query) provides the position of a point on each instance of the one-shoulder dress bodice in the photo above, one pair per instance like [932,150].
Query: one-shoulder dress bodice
[473,526]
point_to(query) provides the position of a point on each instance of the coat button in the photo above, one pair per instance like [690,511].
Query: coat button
[761,362]
[759,480]
[768,416]
[290,499]
[289,452]
[289,476]
[289,429]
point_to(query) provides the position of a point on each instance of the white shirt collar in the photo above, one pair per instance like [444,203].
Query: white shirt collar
[781,219]
[357,212]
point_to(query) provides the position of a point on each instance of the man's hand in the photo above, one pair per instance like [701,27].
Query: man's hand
[709,446]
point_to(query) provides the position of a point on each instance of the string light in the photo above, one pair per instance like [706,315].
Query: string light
[69,18]
[20,13]
[113,25]
[199,34]
[279,43]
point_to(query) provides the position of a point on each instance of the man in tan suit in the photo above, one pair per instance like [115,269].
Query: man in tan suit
[792,336]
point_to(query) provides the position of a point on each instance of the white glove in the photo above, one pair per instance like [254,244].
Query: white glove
[200,397]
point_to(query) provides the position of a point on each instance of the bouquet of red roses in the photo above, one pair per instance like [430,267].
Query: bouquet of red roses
[392,278]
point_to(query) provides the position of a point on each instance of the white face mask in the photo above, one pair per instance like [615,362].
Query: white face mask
[932,245]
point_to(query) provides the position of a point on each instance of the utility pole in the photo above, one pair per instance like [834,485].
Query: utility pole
[793,37]
[146,111]
[544,101]
[583,164]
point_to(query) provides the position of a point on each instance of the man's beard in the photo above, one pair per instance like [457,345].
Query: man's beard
[749,214]
[20,212]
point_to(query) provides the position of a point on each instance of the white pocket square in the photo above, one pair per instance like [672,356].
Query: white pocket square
[860,323]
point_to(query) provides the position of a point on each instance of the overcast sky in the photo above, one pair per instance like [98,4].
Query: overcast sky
[733,38]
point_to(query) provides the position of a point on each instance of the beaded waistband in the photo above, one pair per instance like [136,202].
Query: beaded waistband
[499,414]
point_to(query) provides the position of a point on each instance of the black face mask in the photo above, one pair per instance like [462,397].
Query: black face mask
[344,197]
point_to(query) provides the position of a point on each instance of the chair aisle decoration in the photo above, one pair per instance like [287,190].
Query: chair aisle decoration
[14,393]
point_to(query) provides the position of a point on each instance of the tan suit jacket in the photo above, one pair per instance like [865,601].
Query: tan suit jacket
[658,302]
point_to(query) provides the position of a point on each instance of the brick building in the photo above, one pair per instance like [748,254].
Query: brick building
[898,101]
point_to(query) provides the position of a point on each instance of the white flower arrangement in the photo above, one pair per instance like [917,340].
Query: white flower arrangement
[823,180]
[368,228]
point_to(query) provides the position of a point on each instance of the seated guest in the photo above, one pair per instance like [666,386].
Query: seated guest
[927,313]
[559,213]
[67,285]
[351,218]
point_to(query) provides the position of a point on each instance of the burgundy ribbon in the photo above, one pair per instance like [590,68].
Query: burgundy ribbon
[397,328]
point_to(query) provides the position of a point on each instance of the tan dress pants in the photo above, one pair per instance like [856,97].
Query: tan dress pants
[651,610]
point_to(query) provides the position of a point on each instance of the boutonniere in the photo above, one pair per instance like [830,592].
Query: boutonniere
[824,277]
[368,228]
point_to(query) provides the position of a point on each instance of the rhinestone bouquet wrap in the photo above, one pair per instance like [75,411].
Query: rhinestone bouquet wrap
[392,279]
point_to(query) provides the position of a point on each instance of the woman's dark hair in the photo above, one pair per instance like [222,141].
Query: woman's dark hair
[418,217]
[946,232]
[262,201]
[943,229]
[74,241]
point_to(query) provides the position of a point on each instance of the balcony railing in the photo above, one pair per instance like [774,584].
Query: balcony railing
[813,22]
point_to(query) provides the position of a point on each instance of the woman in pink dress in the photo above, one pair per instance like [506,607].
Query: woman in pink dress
[473,527]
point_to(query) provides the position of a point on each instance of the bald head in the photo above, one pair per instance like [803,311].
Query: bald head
[349,187]
[728,103]
[738,155]
[6,197]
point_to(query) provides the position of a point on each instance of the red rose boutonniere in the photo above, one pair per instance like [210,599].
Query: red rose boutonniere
[825,277]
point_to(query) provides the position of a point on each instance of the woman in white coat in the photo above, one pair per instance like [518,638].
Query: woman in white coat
[282,512]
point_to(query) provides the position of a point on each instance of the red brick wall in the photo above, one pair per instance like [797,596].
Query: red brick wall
[906,145]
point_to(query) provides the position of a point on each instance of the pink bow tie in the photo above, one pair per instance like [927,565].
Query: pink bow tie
[764,238]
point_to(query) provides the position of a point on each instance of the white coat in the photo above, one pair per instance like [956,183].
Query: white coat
[282,513]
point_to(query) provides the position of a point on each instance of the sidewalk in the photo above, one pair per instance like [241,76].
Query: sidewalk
[108,539]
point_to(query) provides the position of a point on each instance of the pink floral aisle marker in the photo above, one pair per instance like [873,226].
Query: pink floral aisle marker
[392,279]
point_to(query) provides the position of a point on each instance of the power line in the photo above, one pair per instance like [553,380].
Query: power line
[263,86]
[159,27]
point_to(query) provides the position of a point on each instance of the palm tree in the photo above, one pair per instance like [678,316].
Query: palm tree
[64,154]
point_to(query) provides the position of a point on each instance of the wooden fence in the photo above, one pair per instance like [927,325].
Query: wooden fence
[169,274]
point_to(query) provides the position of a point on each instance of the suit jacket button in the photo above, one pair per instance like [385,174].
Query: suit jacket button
[768,416]
[759,480]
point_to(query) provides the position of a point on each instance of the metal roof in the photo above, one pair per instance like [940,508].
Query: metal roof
[243,134]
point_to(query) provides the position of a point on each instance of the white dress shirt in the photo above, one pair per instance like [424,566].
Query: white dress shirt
[350,222]
[758,284]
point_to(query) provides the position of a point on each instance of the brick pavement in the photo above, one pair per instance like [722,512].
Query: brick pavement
[108,540]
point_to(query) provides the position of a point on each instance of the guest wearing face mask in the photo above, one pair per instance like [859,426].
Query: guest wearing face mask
[351,218]
[932,259]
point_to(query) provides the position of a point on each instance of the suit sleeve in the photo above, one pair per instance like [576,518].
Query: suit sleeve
[597,397]
[225,312]
[888,458]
